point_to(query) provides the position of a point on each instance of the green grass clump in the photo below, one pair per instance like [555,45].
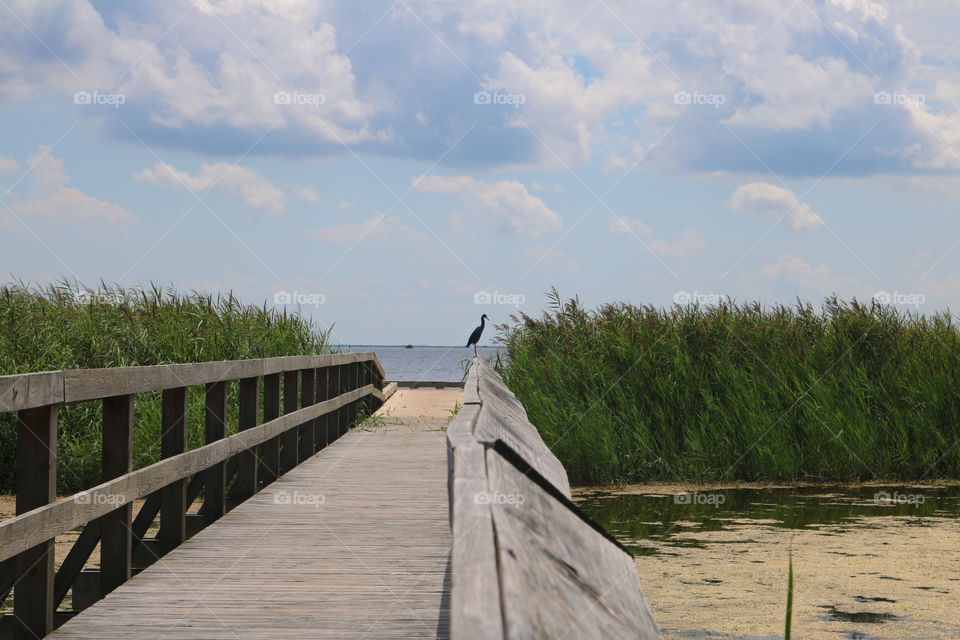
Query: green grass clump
[65,326]
[851,392]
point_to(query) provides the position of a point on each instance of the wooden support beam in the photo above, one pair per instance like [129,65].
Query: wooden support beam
[270,450]
[36,486]
[215,428]
[247,461]
[173,441]
[308,390]
[116,541]
[288,441]
[77,557]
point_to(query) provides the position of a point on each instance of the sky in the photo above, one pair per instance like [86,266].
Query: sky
[395,169]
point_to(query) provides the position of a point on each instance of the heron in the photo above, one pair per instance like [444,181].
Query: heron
[475,336]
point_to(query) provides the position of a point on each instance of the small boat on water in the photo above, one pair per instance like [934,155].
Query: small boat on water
[409,346]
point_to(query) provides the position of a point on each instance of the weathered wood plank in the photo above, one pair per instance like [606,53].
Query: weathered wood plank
[29,390]
[36,487]
[559,576]
[504,418]
[475,595]
[247,461]
[89,384]
[116,542]
[24,531]
[215,428]
[173,443]
[353,543]
[306,446]
[270,450]
[289,456]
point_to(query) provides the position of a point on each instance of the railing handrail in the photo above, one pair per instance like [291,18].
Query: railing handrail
[66,386]
[525,561]
[307,402]
[22,532]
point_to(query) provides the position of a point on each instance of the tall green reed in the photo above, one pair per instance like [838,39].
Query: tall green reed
[66,326]
[849,392]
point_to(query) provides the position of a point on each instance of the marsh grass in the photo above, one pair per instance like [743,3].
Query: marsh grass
[64,326]
[849,392]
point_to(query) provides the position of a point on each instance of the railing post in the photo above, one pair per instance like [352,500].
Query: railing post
[354,383]
[343,385]
[173,441]
[36,486]
[116,537]
[288,439]
[249,411]
[308,389]
[327,421]
[215,428]
[270,450]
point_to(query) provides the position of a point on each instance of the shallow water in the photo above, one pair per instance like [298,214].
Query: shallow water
[869,561]
[446,364]
[647,523]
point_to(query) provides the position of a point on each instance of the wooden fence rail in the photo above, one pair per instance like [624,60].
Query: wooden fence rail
[526,562]
[320,397]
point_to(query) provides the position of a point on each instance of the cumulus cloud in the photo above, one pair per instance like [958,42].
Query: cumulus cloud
[8,164]
[256,190]
[507,200]
[769,201]
[48,196]
[319,78]
[309,194]
[686,242]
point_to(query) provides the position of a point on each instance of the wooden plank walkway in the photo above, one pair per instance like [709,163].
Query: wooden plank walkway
[353,543]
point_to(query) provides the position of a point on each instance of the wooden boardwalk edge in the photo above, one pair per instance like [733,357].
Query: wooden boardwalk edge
[526,563]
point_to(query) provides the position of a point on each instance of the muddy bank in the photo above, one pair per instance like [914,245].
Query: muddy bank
[870,561]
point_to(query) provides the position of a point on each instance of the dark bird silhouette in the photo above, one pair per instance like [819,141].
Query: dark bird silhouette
[475,336]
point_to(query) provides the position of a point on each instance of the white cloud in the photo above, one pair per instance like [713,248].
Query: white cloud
[508,200]
[308,194]
[687,241]
[771,202]
[256,190]
[801,273]
[8,164]
[619,224]
[47,195]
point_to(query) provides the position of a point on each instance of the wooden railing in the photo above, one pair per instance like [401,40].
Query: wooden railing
[307,402]
[526,562]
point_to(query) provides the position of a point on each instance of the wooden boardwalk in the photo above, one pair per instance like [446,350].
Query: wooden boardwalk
[353,543]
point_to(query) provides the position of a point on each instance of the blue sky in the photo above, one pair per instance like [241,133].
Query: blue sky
[399,168]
